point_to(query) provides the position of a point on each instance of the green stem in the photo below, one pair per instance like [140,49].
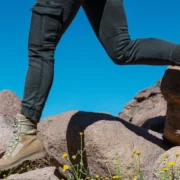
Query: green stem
[172,173]
[10,172]
[75,173]
[139,170]
[81,155]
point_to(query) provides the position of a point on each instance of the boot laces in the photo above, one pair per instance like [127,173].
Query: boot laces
[14,139]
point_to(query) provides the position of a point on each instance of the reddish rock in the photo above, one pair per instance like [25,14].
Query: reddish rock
[147,109]
[170,88]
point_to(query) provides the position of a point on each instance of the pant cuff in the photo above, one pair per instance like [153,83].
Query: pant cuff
[31,114]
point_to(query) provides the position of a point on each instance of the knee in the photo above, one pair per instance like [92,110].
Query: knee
[116,57]
[118,49]
[119,54]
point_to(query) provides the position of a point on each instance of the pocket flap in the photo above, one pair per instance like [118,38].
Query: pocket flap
[47,9]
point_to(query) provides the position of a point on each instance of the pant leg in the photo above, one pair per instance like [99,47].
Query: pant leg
[50,19]
[108,19]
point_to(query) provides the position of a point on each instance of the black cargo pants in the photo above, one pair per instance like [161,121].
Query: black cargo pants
[51,18]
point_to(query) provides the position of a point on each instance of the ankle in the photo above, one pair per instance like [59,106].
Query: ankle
[25,126]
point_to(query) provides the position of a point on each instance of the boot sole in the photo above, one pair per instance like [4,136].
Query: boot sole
[30,157]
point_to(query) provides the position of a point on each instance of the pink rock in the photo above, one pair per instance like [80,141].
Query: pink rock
[39,174]
[171,157]
[103,136]
[10,105]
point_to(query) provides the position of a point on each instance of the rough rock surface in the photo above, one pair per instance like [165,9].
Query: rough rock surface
[39,174]
[168,156]
[10,104]
[147,109]
[103,136]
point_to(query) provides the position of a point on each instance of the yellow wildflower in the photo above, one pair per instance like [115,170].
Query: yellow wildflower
[138,152]
[116,177]
[65,155]
[117,163]
[172,163]
[166,156]
[97,176]
[134,178]
[4,175]
[165,169]
[81,133]
[65,167]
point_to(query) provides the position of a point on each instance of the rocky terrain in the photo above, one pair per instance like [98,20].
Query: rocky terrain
[139,127]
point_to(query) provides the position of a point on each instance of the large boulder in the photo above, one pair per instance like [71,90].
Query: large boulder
[104,135]
[147,109]
[10,105]
[170,88]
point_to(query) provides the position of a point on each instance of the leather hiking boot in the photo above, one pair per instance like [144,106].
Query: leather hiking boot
[24,145]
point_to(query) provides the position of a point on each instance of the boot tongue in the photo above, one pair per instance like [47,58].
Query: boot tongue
[20,117]
[25,126]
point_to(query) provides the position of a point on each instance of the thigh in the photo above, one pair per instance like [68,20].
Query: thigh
[94,11]
[68,7]
[50,19]
[107,17]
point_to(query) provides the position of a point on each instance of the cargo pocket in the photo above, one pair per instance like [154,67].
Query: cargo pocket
[46,25]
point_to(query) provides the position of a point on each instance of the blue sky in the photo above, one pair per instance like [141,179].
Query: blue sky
[85,77]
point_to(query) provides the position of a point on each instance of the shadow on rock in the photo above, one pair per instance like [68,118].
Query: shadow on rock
[155,124]
[81,120]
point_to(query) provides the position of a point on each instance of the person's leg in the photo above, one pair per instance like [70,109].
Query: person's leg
[50,19]
[108,19]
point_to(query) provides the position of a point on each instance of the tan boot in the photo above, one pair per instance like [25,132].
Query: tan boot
[25,145]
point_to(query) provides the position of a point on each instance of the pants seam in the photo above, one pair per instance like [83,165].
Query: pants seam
[39,84]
